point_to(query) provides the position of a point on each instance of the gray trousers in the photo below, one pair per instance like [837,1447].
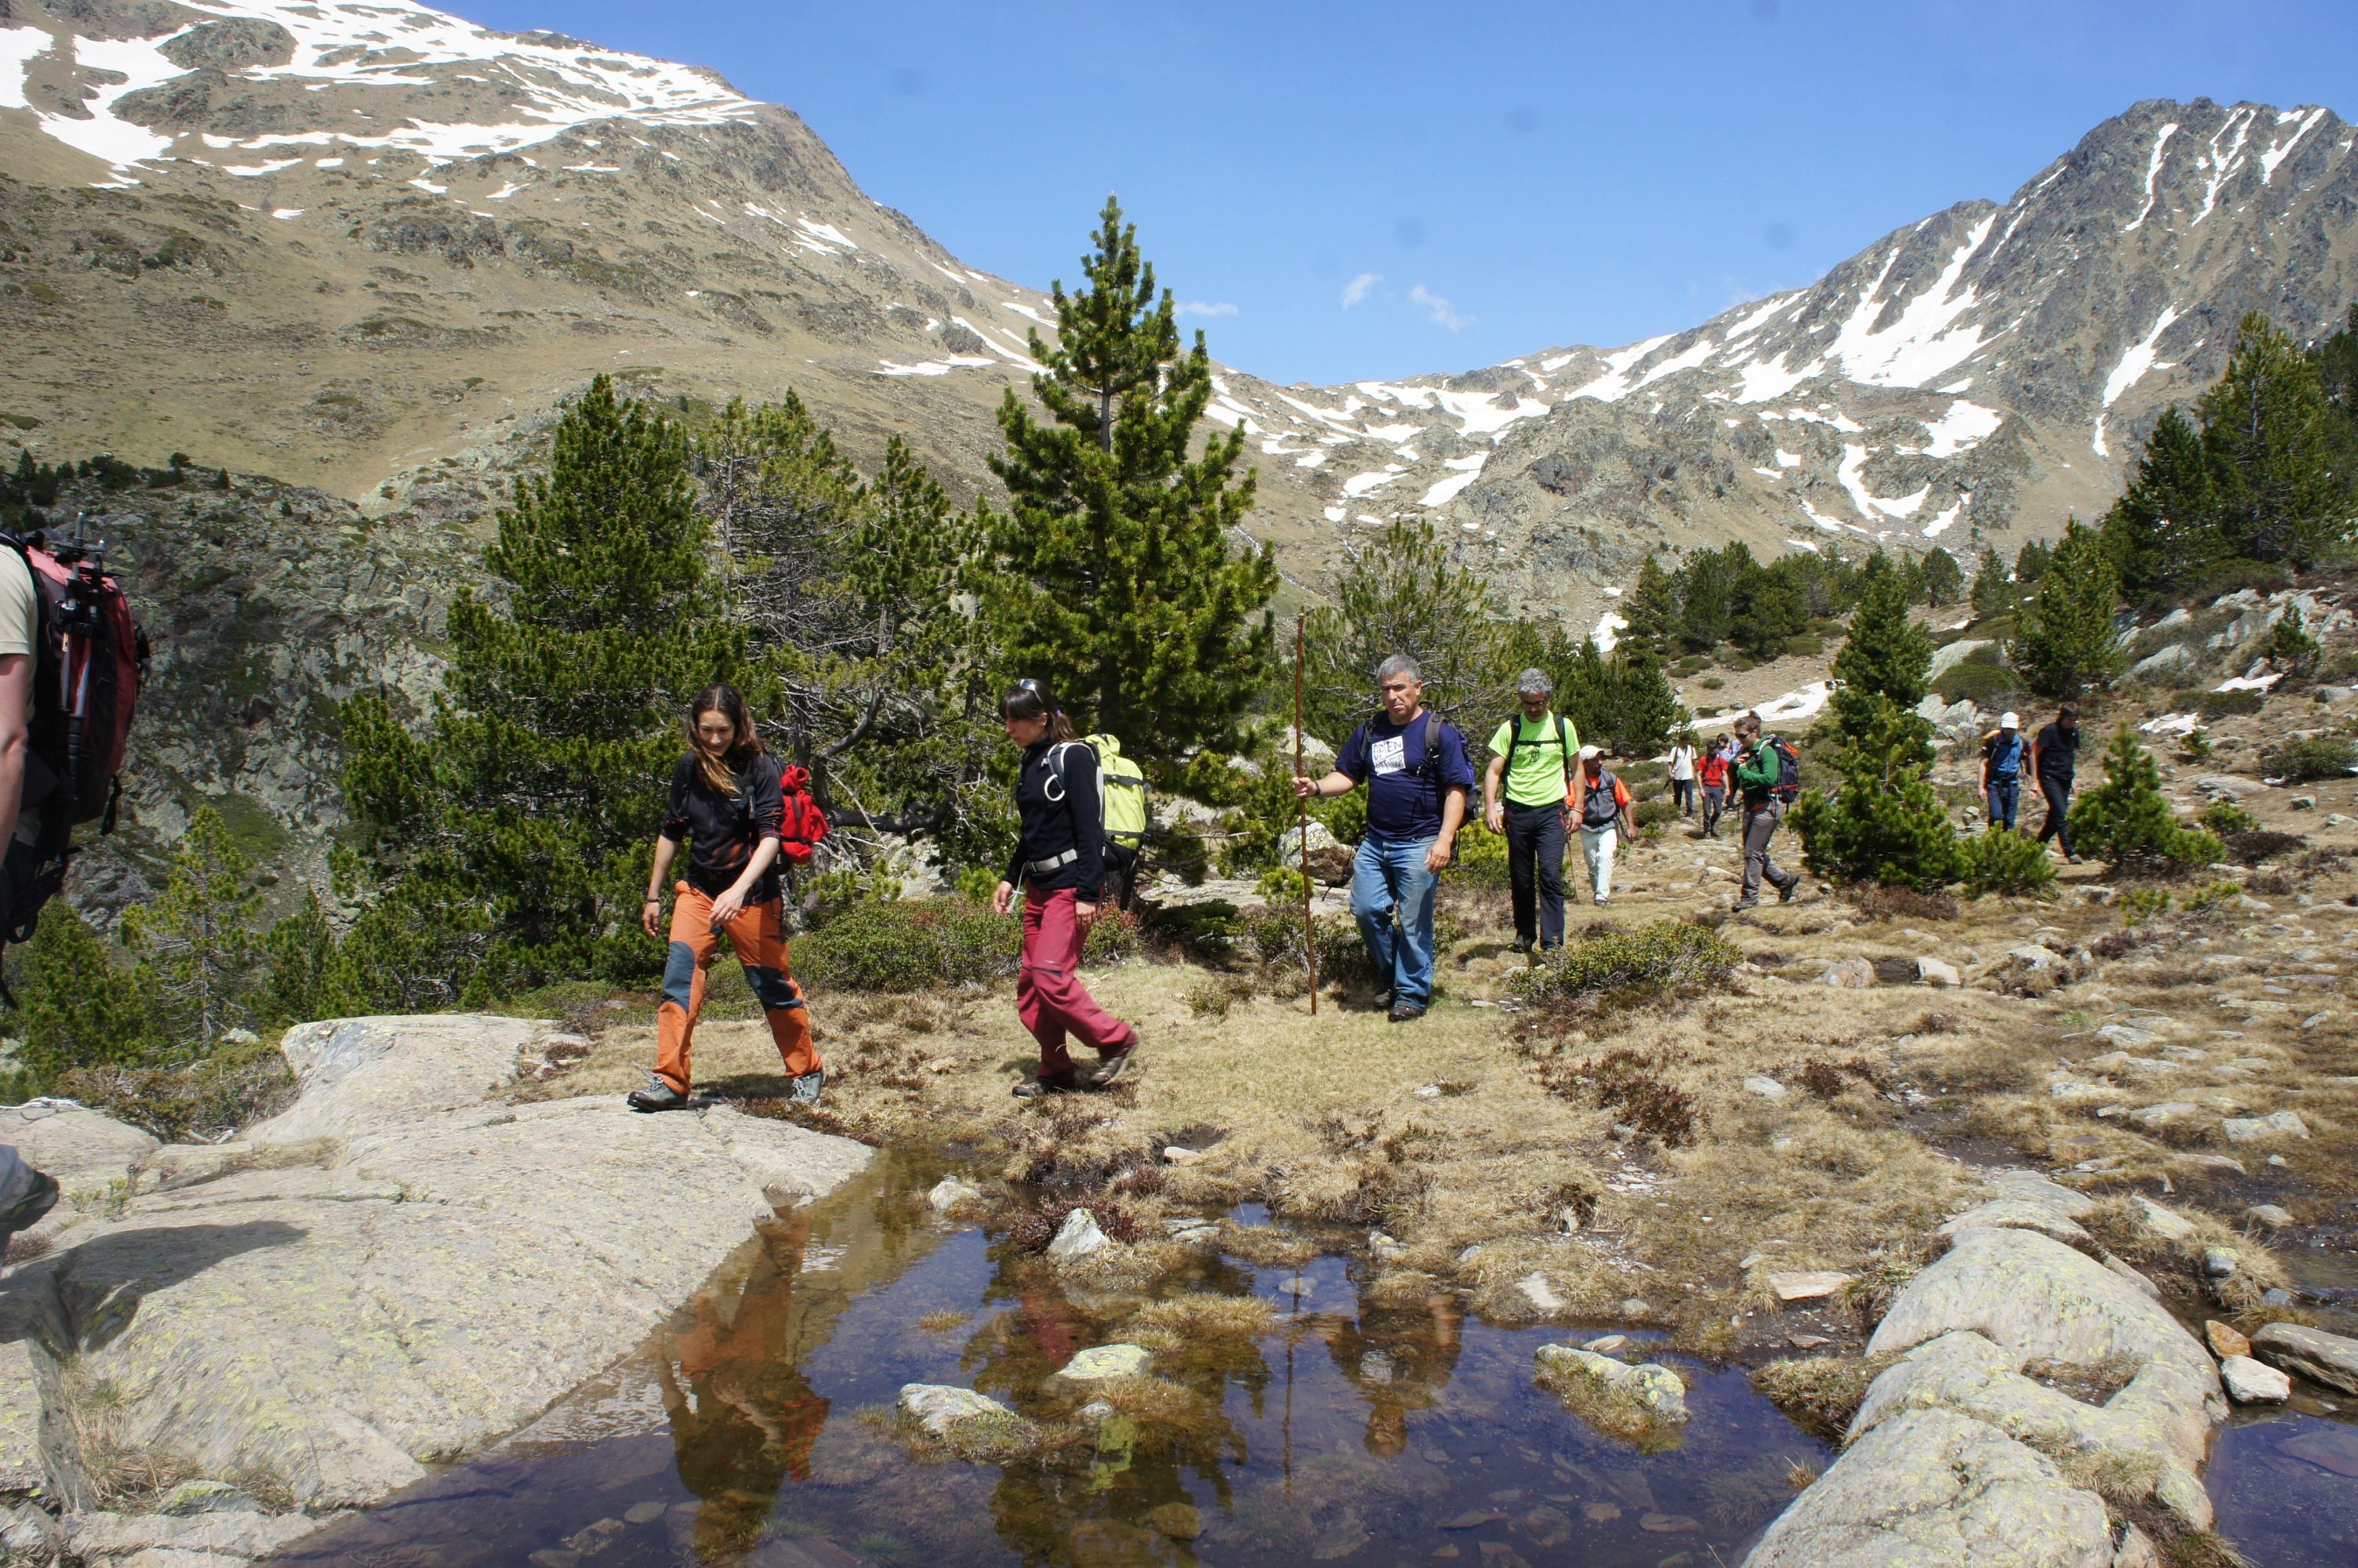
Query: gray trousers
[16,1180]
[1761,824]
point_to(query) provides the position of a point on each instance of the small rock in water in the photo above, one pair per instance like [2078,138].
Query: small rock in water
[2322,1358]
[1476,1519]
[2334,1449]
[1608,1345]
[1299,1285]
[1668,1524]
[2250,1383]
[2226,1341]
[1103,1363]
[1080,1238]
[1600,1513]
[1807,1287]
[2269,1215]
[1376,1367]
[643,1513]
[940,1406]
[950,1191]
[1176,1521]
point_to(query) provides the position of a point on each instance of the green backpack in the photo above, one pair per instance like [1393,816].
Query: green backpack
[1121,791]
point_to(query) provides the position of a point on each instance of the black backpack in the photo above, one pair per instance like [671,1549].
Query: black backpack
[1515,739]
[1429,765]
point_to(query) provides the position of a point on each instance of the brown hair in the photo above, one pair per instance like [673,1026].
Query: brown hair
[1029,700]
[2068,710]
[720,770]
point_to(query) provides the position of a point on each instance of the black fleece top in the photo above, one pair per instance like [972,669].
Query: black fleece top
[721,832]
[1072,821]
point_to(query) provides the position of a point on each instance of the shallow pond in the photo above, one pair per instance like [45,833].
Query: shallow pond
[757,1427]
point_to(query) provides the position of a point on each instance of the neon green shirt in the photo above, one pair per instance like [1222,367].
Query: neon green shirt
[1538,776]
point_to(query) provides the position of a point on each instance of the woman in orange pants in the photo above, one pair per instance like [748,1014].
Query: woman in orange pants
[1059,863]
[727,803]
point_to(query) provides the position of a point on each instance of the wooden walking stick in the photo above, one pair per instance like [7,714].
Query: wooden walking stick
[1309,931]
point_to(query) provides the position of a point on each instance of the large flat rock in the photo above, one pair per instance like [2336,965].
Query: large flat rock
[405,1280]
[86,1151]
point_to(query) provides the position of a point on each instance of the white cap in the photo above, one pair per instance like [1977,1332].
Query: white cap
[1590,754]
[2008,721]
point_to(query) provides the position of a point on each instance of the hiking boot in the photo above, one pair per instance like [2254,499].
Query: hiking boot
[1785,894]
[1522,945]
[2073,858]
[29,1209]
[1406,1012]
[807,1087]
[1741,904]
[1110,1067]
[1032,1088]
[657,1096]
[1384,999]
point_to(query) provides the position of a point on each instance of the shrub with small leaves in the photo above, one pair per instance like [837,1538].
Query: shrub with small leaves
[2005,861]
[2128,821]
[2196,744]
[2142,903]
[1662,955]
[2312,757]
[2225,817]
[906,945]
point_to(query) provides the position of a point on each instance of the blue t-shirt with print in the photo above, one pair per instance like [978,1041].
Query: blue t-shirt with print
[1404,795]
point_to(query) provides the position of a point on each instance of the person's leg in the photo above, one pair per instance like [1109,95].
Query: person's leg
[26,1195]
[1608,841]
[2058,825]
[1549,846]
[693,943]
[1414,887]
[1757,826]
[1783,881]
[2013,795]
[1055,966]
[1710,799]
[1031,1002]
[1371,905]
[759,937]
[1522,880]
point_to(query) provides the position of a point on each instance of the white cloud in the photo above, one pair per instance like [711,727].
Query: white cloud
[1359,288]
[1443,312]
[1204,308]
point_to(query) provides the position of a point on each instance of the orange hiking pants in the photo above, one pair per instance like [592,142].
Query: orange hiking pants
[758,936]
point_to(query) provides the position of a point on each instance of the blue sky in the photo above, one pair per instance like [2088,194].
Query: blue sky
[1375,190]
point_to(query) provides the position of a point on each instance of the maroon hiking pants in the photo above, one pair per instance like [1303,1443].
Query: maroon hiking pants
[1049,996]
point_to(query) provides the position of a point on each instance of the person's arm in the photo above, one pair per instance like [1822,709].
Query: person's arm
[1003,897]
[1984,770]
[650,911]
[1453,816]
[731,903]
[766,802]
[15,729]
[1494,816]
[1629,822]
[1341,780]
[1088,810]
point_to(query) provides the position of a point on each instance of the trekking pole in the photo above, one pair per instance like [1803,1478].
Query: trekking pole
[1309,932]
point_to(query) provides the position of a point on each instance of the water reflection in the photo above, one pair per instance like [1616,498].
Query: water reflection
[1350,1427]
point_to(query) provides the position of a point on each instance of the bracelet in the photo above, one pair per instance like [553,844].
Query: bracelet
[654,898]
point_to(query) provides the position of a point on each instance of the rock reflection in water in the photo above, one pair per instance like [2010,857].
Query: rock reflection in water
[1335,1424]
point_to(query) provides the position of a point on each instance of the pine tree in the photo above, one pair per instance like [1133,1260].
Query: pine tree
[2030,563]
[2163,530]
[2066,644]
[2128,820]
[1773,609]
[1943,581]
[1707,613]
[2268,429]
[510,846]
[196,941]
[2289,647]
[300,980]
[76,1006]
[1884,822]
[1993,591]
[1410,593]
[1116,579]
[1641,709]
[1653,612]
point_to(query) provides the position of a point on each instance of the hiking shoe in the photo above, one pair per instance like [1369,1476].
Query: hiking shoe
[657,1096]
[1785,894]
[1032,1088]
[1406,1012]
[807,1087]
[2073,858]
[29,1209]
[1384,999]
[1110,1067]
[1741,904]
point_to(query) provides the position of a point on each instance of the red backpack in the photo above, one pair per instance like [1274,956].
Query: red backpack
[90,661]
[803,825]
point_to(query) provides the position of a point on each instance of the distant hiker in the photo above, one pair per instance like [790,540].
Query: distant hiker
[738,811]
[1767,770]
[1418,778]
[1600,804]
[2002,758]
[1532,754]
[1713,771]
[1059,862]
[1683,776]
[2054,761]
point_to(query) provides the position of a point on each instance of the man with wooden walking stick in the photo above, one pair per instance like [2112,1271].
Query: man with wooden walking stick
[1418,779]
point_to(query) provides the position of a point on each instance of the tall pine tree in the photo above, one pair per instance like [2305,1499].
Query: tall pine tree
[2163,530]
[197,939]
[1653,612]
[2269,430]
[510,844]
[1117,580]
[2066,643]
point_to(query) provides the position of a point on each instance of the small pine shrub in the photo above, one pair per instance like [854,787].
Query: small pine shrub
[1283,885]
[1648,814]
[2218,704]
[908,944]
[2225,817]
[2005,861]
[2312,757]
[1479,857]
[2139,904]
[2128,821]
[1623,966]
[2197,747]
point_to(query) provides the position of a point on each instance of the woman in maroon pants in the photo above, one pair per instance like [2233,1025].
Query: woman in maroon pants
[1059,865]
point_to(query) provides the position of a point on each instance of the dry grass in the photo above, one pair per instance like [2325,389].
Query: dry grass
[1820,1393]
[1198,1315]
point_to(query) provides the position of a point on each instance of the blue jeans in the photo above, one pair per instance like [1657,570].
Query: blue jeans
[2004,796]
[1388,881]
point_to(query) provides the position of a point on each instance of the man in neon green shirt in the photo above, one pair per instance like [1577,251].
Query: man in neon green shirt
[1540,747]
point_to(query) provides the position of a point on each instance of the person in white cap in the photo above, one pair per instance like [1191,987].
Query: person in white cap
[2002,756]
[1600,805]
